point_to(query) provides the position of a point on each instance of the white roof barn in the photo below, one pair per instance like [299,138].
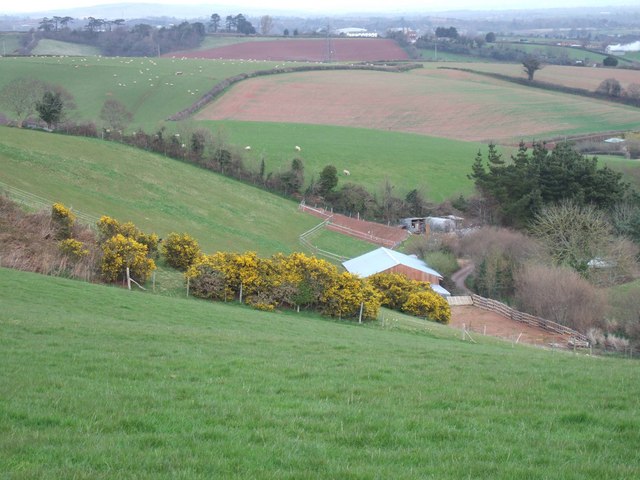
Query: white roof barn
[384,260]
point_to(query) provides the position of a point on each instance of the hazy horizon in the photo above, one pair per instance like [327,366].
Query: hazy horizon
[328,6]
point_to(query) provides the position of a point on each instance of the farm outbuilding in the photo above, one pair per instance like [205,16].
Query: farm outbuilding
[384,260]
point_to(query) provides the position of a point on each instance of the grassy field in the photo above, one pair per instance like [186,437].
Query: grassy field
[10,42]
[156,193]
[55,47]
[149,87]
[101,383]
[577,77]
[571,53]
[438,166]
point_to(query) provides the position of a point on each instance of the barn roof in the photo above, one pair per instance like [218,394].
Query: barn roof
[383,259]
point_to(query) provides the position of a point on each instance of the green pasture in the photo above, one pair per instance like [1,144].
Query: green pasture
[151,88]
[56,47]
[217,41]
[10,42]
[436,166]
[157,193]
[558,51]
[98,382]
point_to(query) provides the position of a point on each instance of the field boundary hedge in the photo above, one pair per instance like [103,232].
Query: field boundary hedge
[222,86]
[554,87]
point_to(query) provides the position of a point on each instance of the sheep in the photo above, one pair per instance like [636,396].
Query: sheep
[297,148]
[346,172]
[248,147]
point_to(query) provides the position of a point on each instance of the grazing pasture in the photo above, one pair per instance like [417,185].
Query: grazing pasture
[437,166]
[55,47]
[100,382]
[157,194]
[308,50]
[587,78]
[149,87]
[441,103]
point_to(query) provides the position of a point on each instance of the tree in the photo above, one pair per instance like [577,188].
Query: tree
[633,91]
[286,32]
[50,108]
[214,23]
[46,24]
[610,61]
[115,114]
[490,37]
[573,235]
[531,65]
[266,24]
[328,180]
[20,97]
[243,25]
[610,87]
[450,32]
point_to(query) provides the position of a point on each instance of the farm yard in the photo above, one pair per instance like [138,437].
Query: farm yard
[307,50]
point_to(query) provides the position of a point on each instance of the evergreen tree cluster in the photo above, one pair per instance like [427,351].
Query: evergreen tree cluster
[517,190]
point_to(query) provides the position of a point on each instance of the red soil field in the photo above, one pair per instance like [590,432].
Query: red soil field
[308,50]
[477,320]
[440,103]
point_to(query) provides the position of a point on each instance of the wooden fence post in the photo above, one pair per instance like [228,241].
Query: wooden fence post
[128,279]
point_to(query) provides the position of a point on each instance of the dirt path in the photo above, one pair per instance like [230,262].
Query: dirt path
[460,276]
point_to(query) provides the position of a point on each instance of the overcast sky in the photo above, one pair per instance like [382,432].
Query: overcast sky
[325,5]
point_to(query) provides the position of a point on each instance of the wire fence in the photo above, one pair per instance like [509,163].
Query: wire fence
[37,202]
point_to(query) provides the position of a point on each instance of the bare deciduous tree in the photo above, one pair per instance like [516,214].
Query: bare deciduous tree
[560,295]
[266,24]
[20,96]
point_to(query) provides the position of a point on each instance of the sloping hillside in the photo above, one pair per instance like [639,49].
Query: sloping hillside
[156,193]
[98,382]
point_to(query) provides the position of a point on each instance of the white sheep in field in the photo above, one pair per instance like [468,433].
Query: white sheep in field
[297,148]
[248,147]
[346,172]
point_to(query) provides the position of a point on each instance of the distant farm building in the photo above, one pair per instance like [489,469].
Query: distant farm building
[352,32]
[384,260]
[420,225]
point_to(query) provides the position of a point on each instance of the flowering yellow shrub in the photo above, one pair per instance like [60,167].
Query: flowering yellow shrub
[109,227]
[63,220]
[120,252]
[395,288]
[73,248]
[427,303]
[345,295]
[180,250]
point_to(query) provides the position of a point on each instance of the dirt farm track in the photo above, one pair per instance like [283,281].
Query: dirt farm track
[308,50]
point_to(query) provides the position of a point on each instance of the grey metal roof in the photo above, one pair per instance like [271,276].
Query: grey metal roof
[383,259]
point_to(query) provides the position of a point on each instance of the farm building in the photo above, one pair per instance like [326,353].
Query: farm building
[384,260]
[420,225]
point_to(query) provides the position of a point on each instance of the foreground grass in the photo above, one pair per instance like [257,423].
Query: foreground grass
[157,193]
[102,383]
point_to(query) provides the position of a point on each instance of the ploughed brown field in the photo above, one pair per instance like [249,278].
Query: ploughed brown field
[308,50]
[441,103]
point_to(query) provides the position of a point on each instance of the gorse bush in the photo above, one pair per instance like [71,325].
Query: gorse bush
[119,253]
[109,227]
[180,250]
[427,303]
[292,281]
[63,219]
[411,296]
[73,248]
